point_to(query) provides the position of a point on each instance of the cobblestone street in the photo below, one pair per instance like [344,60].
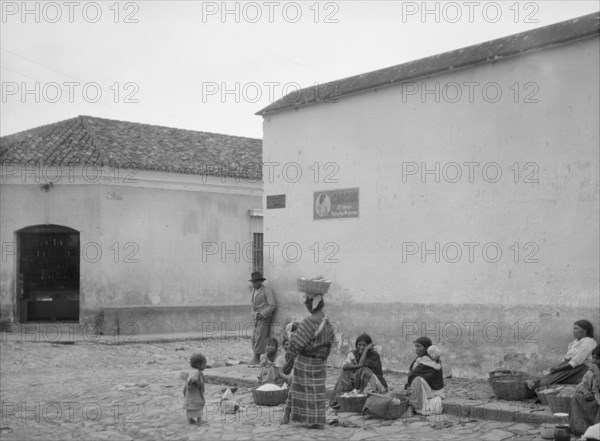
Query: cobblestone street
[92,391]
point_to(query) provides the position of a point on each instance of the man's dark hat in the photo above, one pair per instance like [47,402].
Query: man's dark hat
[257,275]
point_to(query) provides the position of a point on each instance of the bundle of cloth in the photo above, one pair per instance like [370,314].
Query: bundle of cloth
[228,404]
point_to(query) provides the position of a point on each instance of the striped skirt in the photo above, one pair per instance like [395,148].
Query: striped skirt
[307,400]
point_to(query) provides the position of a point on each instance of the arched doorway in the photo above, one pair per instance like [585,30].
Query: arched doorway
[48,273]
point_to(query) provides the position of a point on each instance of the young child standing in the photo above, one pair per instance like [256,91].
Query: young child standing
[193,391]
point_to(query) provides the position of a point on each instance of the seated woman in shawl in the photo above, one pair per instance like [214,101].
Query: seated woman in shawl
[585,404]
[362,370]
[310,345]
[425,384]
[575,364]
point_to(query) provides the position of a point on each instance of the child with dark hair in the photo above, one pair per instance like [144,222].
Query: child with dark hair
[193,391]
[269,372]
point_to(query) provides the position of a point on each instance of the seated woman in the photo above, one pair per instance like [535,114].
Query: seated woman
[576,361]
[585,404]
[269,371]
[425,384]
[362,370]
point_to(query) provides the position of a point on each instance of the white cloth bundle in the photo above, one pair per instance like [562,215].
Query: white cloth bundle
[269,387]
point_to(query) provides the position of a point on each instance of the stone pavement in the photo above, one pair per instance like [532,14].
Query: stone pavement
[78,389]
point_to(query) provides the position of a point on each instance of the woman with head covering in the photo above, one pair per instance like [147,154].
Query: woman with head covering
[425,384]
[310,344]
[362,370]
[576,361]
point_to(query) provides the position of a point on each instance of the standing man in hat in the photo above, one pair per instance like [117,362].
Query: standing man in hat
[263,309]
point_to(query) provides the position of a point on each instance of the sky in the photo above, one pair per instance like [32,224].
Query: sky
[210,66]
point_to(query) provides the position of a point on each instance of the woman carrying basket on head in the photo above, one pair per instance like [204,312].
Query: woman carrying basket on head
[311,345]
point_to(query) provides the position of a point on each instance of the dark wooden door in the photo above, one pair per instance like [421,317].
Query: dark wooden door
[48,274]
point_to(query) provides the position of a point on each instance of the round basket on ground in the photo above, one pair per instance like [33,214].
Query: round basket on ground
[511,385]
[269,397]
[352,404]
[313,286]
[559,404]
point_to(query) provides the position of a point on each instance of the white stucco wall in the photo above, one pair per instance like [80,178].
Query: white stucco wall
[152,235]
[371,137]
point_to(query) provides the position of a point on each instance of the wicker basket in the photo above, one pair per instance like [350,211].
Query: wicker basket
[352,404]
[313,286]
[559,404]
[390,411]
[396,410]
[510,385]
[269,397]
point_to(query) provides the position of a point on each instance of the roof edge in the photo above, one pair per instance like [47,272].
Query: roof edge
[579,28]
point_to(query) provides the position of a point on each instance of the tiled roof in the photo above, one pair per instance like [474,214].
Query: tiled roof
[86,140]
[581,27]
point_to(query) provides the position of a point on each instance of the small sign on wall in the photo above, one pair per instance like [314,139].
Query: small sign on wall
[335,204]
[276,201]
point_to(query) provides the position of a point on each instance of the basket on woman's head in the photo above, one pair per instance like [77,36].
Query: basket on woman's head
[314,286]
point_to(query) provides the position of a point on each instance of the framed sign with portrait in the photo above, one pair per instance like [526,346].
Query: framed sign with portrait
[335,204]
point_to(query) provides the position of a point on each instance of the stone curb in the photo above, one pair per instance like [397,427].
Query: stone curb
[154,340]
[6,337]
[503,411]
[455,408]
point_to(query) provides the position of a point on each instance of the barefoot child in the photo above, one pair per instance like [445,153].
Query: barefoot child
[193,390]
